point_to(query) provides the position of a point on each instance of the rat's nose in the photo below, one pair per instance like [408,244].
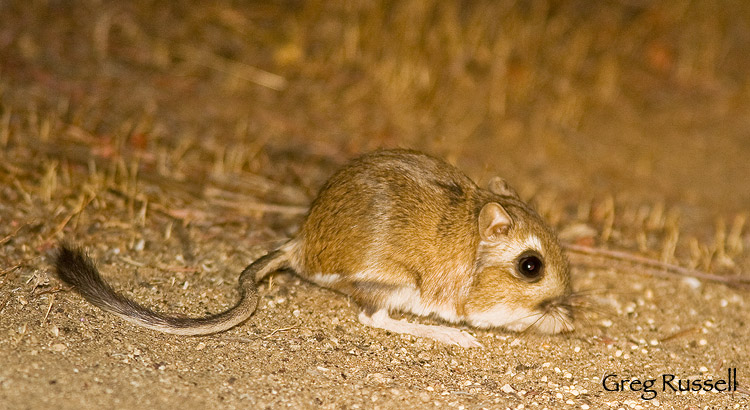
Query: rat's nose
[558,315]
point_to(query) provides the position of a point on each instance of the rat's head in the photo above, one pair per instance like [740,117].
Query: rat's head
[522,275]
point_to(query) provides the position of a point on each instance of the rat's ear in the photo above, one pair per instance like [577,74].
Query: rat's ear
[500,186]
[494,222]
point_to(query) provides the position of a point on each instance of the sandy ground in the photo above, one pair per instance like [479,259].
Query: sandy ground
[178,143]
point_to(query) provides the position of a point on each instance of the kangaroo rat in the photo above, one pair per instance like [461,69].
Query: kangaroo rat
[396,231]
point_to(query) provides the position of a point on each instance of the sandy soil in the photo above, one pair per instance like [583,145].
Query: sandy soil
[178,143]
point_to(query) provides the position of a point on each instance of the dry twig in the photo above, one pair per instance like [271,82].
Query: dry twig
[654,266]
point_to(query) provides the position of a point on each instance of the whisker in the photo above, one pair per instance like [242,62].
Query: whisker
[588,306]
[525,332]
[590,291]
[601,291]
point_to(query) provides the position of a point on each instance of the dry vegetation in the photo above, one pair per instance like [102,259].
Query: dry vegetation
[179,140]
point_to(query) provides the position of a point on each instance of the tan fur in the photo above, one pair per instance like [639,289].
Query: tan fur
[396,219]
[404,219]
[400,230]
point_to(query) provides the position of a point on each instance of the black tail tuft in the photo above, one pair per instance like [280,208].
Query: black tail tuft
[77,270]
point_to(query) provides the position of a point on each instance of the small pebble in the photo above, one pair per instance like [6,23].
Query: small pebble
[377,378]
[692,282]
[59,347]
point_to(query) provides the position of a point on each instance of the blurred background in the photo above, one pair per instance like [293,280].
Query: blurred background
[176,141]
[644,101]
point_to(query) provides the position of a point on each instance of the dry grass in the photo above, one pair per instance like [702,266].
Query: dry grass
[204,130]
[185,118]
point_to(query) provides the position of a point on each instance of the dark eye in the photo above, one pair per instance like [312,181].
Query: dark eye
[530,266]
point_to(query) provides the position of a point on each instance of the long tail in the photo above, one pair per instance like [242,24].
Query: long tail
[78,270]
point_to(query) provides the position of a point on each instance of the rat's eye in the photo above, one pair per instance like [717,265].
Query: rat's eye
[530,266]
